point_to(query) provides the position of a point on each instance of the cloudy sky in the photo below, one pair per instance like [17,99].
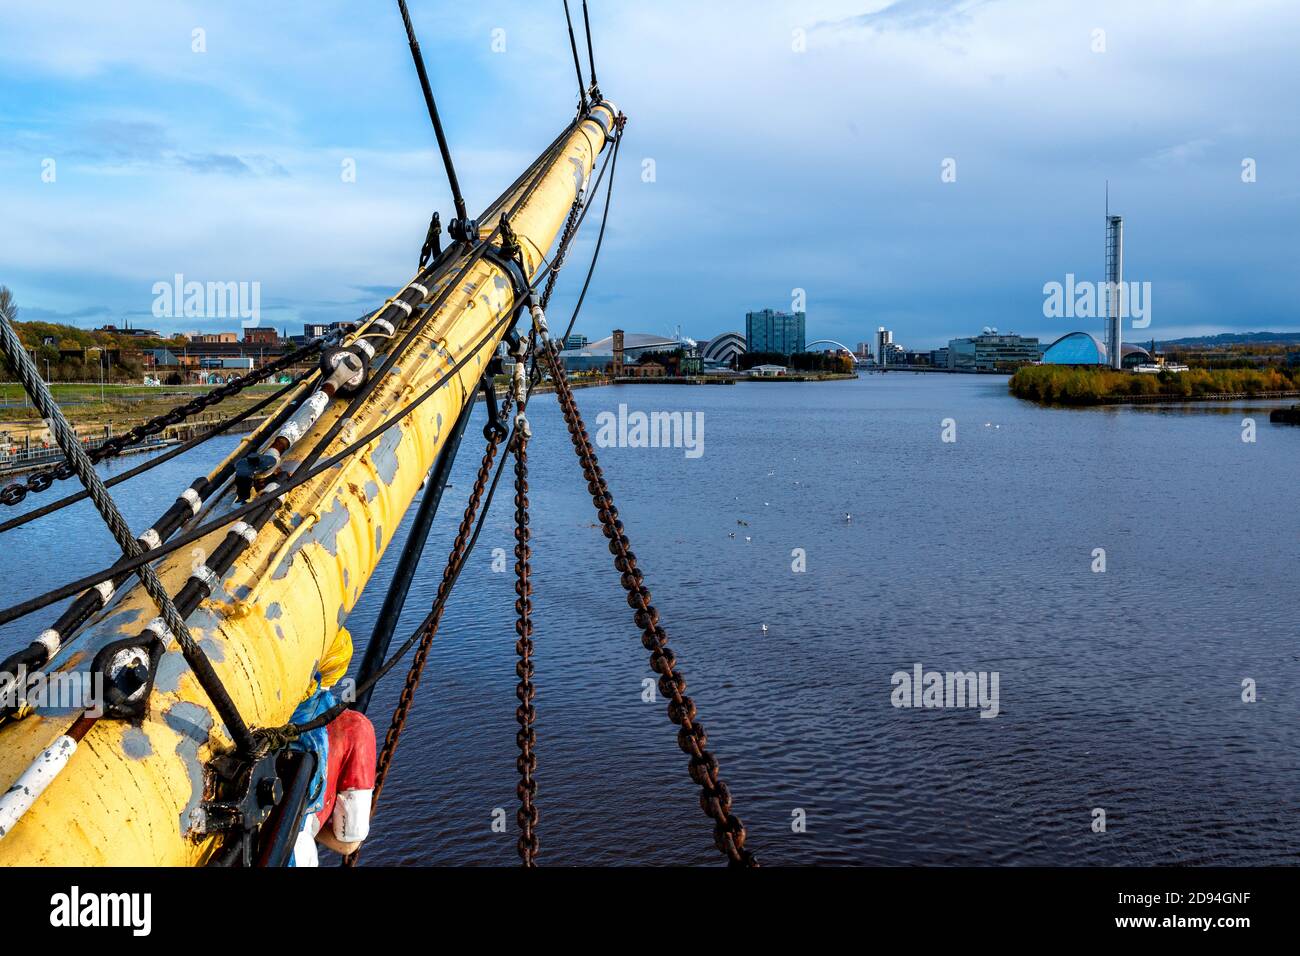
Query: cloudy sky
[796,145]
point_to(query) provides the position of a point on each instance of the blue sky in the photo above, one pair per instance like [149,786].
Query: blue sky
[784,160]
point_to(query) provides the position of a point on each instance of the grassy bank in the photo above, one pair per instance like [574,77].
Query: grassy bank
[122,406]
[1073,385]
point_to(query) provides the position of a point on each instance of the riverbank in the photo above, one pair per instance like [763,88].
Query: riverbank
[114,409]
[802,377]
[1080,385]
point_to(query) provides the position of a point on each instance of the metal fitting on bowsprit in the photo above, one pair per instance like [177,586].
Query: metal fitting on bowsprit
[252,472]
[128,668]
[344,369]
[463,230]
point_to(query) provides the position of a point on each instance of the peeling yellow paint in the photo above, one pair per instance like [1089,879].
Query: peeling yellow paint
[109,808]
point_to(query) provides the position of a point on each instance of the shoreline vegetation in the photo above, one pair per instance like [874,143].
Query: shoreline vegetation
[1082,385]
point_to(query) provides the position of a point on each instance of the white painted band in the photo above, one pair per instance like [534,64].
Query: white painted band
[385,325]
[159,627]
[366,347]
[245,531]
[207,577]
[192,496]
[50,640]
[307,414]
[404,306]
[49,763]
[423,291]
[106,591]
[150,539]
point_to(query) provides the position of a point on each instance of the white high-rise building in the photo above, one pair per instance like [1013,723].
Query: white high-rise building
[884,338]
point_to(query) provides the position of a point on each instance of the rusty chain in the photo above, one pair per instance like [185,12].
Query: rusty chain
[16,492]
[455,559]
[525,712]
[570,227]
[715,797]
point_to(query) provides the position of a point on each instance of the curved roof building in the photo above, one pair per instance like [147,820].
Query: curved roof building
[723,348]
[1084,348]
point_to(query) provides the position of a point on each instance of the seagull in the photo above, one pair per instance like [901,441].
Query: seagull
[764,627]
[745,523]
[847,516]
[731,534]
[748,538]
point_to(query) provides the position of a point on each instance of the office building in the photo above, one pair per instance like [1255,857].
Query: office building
[993,351]
[771,331]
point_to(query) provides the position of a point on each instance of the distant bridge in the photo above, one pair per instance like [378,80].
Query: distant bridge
[839,345]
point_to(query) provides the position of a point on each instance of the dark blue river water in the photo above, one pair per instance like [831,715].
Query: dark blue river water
[1119,690]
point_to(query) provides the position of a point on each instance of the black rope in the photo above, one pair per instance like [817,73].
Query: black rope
[367,685]
[591,55]
[600,237]
[307,470]
[156,460]
[577,67]
[399,586]
[429,103]
[16,492]
[299,477]
[172,620]
[476,253]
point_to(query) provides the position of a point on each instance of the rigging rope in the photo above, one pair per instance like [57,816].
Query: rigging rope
[591,54]
[301,476]
[217,429]
[170,623]
[462,216]
[619,122]
[310,469]
[573,44]
[65,629]
[15,493]
[460,550]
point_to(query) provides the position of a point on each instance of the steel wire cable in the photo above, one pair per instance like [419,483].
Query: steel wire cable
[103,500]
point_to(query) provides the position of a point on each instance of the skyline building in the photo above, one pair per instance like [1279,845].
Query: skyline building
[992,350]
[770,331]
[884,339]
